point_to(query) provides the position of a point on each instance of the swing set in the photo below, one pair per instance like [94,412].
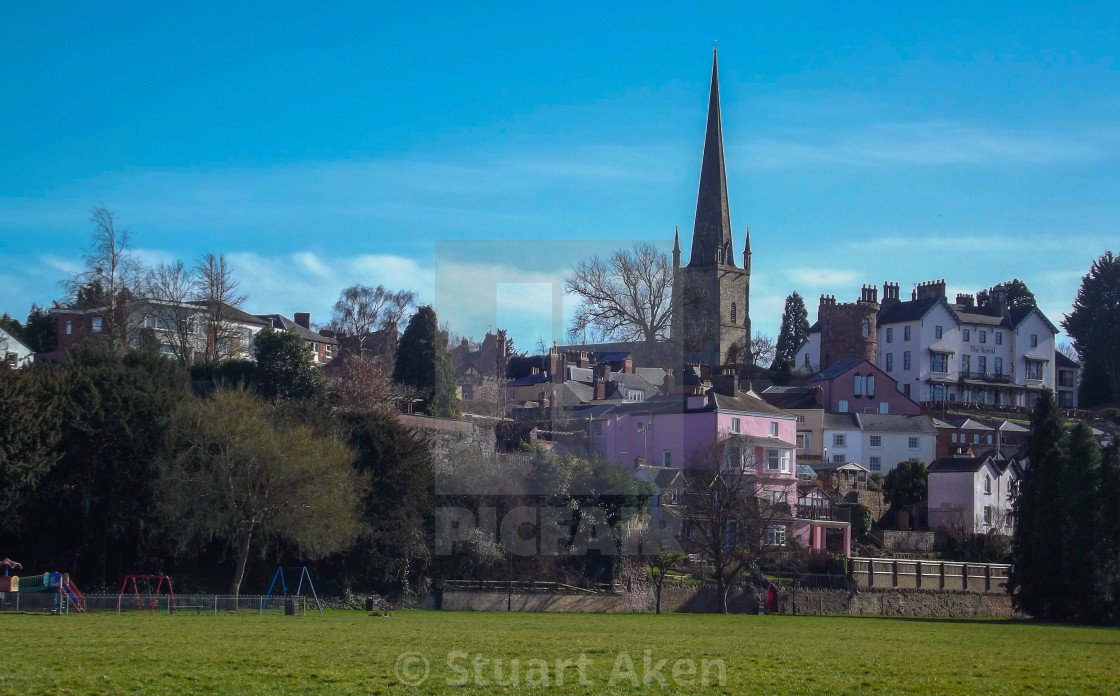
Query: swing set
[160,579]
[303,573]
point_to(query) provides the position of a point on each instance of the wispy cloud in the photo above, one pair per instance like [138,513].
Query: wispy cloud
[821,277]
[928,143]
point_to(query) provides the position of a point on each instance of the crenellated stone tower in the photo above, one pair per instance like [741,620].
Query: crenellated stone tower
[711,295]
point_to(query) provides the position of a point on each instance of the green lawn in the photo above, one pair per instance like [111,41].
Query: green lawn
[351,652]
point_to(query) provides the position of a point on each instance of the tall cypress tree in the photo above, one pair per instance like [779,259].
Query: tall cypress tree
[1037,579]
[1081,510]
[1094,325]
[1107,551]
[793,332]
[424,362]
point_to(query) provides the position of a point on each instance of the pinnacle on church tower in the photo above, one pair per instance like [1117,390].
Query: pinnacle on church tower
[711,233]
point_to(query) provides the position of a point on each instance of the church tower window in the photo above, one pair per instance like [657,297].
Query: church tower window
[734,315]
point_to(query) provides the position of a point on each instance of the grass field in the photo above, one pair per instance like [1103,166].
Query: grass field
[353,653]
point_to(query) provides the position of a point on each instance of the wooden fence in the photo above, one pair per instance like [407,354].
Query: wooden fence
[898,573]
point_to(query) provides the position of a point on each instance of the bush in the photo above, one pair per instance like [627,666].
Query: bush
[861,520]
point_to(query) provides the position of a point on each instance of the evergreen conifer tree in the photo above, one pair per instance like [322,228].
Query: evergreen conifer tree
[1037,583]
[424,362]
[793,332]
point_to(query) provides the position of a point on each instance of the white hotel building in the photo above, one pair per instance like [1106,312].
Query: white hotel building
[942,351]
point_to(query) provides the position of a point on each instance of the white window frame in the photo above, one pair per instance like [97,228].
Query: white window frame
[913,443]
[839,439]
[876,464]
[773,428]
[876,441]
[735,426]
[776,535]
[97,325]
[804,440]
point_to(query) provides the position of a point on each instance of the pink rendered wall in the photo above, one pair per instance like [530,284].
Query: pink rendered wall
[886,389]
[680,433]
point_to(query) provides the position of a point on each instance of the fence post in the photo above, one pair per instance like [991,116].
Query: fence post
[941,568]
[215,605]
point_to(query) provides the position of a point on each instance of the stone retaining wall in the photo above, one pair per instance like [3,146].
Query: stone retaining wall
[900,603]
[498,601]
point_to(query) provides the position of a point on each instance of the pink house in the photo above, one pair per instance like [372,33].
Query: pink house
[857,386]
[665,430]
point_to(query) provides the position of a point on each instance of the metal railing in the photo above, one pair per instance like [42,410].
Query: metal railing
[832,513]
[194,603]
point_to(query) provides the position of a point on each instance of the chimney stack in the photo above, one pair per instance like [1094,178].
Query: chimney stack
[303,319]
[628,365]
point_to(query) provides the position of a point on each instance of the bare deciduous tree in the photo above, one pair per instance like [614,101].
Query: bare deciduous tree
[111,277]
[362,310]
[627,297]
[216,290]
[361,382]
[169,287]
[730,514]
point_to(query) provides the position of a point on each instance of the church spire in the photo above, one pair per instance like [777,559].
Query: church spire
[676,247]
[747,252]
[711,233]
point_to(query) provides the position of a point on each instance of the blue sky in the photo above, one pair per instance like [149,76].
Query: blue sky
[493,145]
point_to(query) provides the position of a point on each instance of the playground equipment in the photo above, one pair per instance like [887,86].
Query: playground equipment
[8,583]
[67,595]
[155,597]
[289,607]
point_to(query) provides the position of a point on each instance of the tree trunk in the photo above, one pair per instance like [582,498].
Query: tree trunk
[721,591]
[657,588]
[242,560]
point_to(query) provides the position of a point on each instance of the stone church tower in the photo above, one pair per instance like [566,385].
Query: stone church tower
[711,295]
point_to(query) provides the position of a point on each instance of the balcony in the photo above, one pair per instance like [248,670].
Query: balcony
[816,512]
[986,377]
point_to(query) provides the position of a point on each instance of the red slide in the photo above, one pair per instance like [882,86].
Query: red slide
[76,598]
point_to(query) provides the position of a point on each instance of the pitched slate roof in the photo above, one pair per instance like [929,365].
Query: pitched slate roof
[1062,360]
[911,310]
[283,323]
[1020,314]
[840,421]
[979,315]
[528,380]
[749,402]
[234,314]
[654,375]
[803,399]
[635,383]
[949,465]
[969,424]
[662,476]
[836,369]
[895,423]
